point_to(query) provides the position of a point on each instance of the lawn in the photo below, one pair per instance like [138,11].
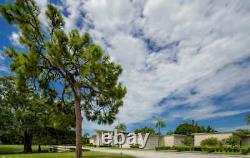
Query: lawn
[14,152]
[64,155]
[7,149]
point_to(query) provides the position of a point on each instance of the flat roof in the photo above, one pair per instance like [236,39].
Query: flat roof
[97,130]
[176,135]
[213,133]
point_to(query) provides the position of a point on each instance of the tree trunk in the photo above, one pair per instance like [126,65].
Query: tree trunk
[39,148]
[27,142]
[159,134]
[78,151]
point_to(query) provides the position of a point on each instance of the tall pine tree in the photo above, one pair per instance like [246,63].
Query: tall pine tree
[64,65]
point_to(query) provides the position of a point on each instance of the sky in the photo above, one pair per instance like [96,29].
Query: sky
[182,60]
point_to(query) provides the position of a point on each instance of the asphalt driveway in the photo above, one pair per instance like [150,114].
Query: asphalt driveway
[154,154]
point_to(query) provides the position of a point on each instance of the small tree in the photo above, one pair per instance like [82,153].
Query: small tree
[85,138]
[64,65]
[211,142]
[121,127]
[160,123]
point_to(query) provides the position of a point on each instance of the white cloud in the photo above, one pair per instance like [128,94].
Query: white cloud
[205,56]
[110,16]
[42,4]
[14,38]
[213,37]
[206,112]
[73,9]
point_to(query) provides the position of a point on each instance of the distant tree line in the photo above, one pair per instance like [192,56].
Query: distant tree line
[183,128]
[145,130]
[194,127]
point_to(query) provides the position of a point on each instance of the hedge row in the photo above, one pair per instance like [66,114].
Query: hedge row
[135,146]
[207,149]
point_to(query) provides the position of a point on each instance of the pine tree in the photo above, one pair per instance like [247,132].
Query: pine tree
[65,66]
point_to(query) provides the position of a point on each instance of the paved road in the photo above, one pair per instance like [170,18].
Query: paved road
[154,154]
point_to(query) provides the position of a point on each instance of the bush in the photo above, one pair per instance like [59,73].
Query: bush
[207,149]
[233,140]
[210,150]
[188,141]
[105,145]
[211,142]
[245,151]
[184,148]
[197,148]
[135,146]
[219,149]
[164,148]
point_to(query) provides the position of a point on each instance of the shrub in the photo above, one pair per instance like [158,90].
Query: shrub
[233,140]
[184,148]
[210,150]
[207,149]
[245,151]
[211,142]
[197,148]
[105,145]
[135,146]
[188,141]
[164,148]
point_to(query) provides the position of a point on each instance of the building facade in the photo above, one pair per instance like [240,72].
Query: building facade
[152,141]
[170,140]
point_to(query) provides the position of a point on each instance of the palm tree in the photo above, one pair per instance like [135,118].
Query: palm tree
[160,123]
[121,127]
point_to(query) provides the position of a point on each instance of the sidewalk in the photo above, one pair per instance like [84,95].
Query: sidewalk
[158,154]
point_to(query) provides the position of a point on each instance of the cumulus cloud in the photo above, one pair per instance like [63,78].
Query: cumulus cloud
[174,53]
[42,5]
[14,38]
[198,51]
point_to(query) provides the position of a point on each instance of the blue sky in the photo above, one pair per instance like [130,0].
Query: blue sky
[182,60]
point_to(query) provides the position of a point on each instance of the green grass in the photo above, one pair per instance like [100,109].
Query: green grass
[64,155]
[38,155]
[5,149]
[14,151]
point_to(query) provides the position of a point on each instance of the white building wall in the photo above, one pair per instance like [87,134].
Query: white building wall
[168,140]
[178,140]
[173,140]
